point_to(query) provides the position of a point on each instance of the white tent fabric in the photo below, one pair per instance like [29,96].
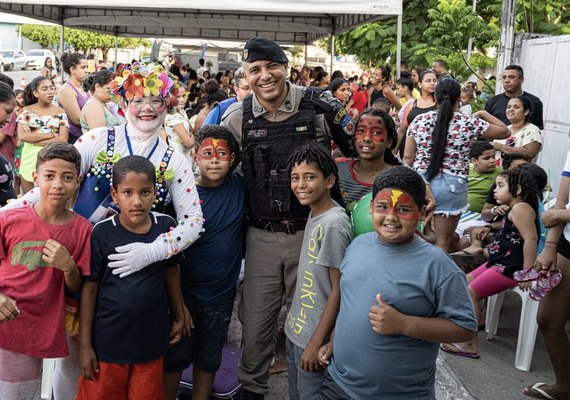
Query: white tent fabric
[288,22]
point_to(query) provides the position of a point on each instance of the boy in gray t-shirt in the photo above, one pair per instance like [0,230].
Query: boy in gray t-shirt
[400,297]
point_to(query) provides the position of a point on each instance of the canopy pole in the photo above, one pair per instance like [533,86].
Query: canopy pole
[398,45]
[61,44]
[506,39]
[333,21]
[305,54]
[116,46]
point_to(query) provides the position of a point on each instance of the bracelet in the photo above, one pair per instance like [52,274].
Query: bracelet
[494,210]
[551,242]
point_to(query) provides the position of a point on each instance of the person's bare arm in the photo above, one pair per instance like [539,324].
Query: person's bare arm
[392,98]
[410,151]
[496,130]
[187,138]
[94,115]
[87,359]
[522,216]
[68,100]
[529,150]
[176,304]
[310,357]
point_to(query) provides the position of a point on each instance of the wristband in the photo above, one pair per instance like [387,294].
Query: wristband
[494,210]
[547,242]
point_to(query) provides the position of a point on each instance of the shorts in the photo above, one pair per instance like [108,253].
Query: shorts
[490,281]
[450,192]
[203,348]
[19,375]
[124,381]
[564,246]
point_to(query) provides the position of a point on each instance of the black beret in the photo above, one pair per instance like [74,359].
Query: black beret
[260,48]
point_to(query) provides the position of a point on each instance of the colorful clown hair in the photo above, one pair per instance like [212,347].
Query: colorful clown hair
[140,80]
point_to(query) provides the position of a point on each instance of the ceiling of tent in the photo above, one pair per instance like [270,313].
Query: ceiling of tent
[287,22]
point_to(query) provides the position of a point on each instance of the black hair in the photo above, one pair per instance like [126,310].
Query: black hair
[192,74]
[516,68]
[46,60]
[213,92]
[60,151]
[314,154]
[70,60]
[100,78]
[385,71]
[6,93]
[523,178]
[527,105]
[382,102]
[320,75]
[7,80]
[337,74]
[404,63]
[419,71]
[539,175]
[29,97]
[406,80]
[447,92]
[507,159]
[201,62]
[391,132]
[336,83]
[403,178]
[470,92]
[220,132]
[441,63]
[479,147]
[136,164]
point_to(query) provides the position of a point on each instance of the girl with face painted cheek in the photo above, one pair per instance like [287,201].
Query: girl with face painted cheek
[375,136]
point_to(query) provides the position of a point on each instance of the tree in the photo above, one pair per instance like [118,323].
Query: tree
[81,40]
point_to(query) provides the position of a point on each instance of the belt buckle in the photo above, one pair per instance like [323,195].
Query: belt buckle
[289,227]
[268,227]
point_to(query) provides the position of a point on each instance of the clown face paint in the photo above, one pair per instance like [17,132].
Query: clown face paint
[145,115]
[395,216]
[214,159]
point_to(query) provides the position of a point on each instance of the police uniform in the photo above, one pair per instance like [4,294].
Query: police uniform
[276,219]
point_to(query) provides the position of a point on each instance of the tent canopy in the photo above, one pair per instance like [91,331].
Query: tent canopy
[287,22]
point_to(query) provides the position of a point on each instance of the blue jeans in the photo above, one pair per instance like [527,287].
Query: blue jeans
[203,348]
[303,385]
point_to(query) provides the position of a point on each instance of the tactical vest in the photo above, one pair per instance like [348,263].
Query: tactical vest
[266,148]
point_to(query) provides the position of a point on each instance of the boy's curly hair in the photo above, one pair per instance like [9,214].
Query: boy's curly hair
[402,178]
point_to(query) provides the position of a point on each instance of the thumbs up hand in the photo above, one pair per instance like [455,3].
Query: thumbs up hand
[385,319]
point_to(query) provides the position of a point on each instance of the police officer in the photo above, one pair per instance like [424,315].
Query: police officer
[277,118]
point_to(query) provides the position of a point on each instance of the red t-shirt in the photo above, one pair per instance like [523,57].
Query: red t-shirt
[360,101]
[38,289]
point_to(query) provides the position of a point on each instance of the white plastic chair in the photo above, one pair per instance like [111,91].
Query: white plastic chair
[48,367]
[528,325]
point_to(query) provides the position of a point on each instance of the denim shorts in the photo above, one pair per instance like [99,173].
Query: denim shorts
[203,348]
[450,192]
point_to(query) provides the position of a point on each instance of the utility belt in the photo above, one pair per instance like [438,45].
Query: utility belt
[289,227]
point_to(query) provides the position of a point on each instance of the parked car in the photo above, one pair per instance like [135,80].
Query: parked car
[37,58]
[14,59]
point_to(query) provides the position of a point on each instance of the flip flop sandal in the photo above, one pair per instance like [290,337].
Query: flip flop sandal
[459,351]
[544,284]
[525,275]
[536,392]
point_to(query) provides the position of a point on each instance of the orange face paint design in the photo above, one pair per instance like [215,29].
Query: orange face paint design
[214,148]
[396,202]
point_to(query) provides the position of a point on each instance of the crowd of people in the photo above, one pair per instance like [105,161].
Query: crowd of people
[336,192]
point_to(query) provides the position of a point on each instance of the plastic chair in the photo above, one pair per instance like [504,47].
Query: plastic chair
[48,367]
[528,325]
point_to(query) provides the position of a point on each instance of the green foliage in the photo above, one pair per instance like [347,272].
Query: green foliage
[81,40]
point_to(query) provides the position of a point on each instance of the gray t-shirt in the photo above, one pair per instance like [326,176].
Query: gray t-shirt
[416,278]
[326,238]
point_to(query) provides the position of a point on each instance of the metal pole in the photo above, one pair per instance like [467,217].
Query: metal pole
[305,53]
[506,39]
[116,46]
[61,44]
[332,53]
[470,43]
[398,46]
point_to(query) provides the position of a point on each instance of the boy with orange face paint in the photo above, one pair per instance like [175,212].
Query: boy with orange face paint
[400,297]
[212,264]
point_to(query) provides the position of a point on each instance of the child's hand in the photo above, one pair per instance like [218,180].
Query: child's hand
[8,309]
[188,322]
[56,255]
[176,332]
[550,218]
[524,286]
[88,362]
[310,358]
[480,232]
[385,319]
[325,354]
[502,209]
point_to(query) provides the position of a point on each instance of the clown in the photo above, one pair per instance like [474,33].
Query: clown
[145,93]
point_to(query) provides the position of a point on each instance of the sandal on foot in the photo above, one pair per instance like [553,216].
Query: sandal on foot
[544,284]
[525,275]
[458,351]
[536,391]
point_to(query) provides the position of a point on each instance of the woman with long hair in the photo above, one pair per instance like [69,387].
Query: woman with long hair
[98,111]
[49,71]
[437,147]
[526,138]
[381,88]
[71,95]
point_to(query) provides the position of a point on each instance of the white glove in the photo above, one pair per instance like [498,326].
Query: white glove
[133,257]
